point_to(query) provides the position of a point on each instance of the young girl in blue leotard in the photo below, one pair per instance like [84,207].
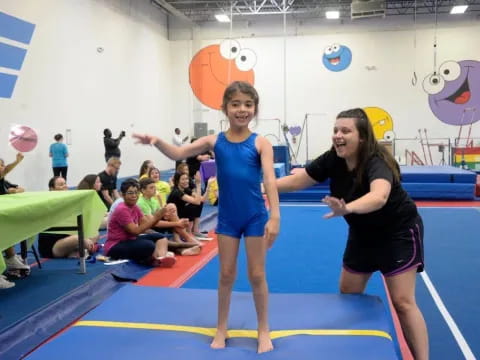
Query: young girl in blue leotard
[241,157]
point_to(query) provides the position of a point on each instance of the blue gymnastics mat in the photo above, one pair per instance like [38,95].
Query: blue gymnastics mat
[420,182]
[169,323]
[438,182]
[437,174]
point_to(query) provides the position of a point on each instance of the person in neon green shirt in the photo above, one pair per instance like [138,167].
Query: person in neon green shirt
[148,204]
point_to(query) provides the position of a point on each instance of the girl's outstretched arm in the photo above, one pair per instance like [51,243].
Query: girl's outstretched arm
[199,146]
[266,155]
[12,165]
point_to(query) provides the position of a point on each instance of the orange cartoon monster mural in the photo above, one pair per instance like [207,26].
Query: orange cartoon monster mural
[214,67]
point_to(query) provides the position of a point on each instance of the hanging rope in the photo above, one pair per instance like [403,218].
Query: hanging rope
[414,77]
[435,41]
[285,66]
[229,76]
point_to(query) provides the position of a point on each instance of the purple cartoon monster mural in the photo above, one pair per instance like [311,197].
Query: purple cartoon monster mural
[454,92]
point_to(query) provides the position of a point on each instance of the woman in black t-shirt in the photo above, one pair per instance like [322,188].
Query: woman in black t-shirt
[385,229]
[186,200]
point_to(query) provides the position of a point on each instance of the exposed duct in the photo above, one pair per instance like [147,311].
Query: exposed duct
[367,8]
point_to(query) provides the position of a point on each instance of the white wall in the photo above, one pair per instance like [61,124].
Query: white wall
[311,88]
[140,81]
[66,84]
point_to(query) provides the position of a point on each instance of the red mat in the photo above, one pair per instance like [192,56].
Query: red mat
[184,268]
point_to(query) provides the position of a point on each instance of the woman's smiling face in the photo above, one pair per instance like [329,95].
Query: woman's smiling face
[346,139]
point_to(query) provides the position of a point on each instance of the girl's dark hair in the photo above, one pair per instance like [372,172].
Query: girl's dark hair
[51,182]
[88,182]
[58,137]
[369,145]
[128,184]
[176,178]
[244,88]
[180,167]
[145,182]
[144,167]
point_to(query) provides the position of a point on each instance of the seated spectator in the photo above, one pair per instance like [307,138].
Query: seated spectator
[92,182]
[5,186]
[108,178]
[57,245]
[126,237]
[188,202]
[163,188]
[213,192]
[170,224]
[13,261]
[193,183]
[146,166]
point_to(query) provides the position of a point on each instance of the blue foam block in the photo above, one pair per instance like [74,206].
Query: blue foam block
[458,191]
[436,174]
[279,170]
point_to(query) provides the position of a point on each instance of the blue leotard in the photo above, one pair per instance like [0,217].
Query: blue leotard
[241,208]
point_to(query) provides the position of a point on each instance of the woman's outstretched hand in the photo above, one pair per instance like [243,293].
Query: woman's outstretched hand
[338,207]
[144,139]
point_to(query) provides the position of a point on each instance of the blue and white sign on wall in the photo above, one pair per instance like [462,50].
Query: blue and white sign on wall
[15,36]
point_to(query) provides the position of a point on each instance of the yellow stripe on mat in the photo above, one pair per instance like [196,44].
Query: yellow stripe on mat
[231,333]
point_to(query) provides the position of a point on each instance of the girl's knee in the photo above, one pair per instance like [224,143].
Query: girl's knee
[257,277]
[227,277]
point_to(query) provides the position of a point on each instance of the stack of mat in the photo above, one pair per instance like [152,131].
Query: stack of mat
[421,182]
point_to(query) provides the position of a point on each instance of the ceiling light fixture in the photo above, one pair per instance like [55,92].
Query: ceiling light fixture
[458,9]
[222,18]
[332,14]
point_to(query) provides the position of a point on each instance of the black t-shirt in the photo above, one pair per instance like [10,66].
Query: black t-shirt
[399,210]
[109,182]
[194,164]
[175,197]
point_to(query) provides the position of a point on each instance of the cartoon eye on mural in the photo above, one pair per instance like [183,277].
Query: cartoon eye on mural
[214,67]
[454,92]
[337,57]
[382,123]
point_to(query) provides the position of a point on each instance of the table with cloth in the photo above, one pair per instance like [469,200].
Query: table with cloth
[24,215]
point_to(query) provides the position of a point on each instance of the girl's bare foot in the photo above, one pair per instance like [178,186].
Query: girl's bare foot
[195,250]
[219,340]
[264,342]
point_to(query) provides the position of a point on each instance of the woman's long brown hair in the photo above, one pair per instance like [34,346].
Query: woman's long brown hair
[369,147]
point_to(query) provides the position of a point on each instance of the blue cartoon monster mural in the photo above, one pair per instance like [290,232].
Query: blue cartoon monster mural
[454,92]
[337,57]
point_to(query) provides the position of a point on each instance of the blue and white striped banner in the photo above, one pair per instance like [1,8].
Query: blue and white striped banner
[15,36]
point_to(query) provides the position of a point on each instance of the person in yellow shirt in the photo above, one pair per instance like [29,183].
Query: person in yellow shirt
[213,192]
[144,169]
[163,187]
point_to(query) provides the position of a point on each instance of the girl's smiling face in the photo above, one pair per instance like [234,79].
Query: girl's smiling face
[240,110]
[184,182]
[155,175]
